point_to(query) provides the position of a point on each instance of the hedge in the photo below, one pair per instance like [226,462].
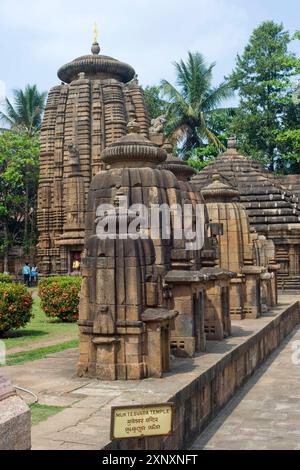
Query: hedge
[60,297]
[7,278]
[15,306]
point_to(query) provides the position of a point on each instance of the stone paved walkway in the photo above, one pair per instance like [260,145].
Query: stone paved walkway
[85,423]
[265,414]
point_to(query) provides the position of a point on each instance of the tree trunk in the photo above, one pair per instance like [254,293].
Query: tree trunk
[6,248]
[26,221]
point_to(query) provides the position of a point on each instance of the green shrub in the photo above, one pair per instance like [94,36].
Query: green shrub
[15,306]
[60,297]
[7,278]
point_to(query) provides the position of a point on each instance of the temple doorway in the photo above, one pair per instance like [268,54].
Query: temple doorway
[74,262]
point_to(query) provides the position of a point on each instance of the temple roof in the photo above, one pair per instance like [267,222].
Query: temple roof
[180,168]
[266,200]
[133,150]
[94,65]
[219,191]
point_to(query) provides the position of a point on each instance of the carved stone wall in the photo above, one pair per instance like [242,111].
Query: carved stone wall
[83,115]
[272,208]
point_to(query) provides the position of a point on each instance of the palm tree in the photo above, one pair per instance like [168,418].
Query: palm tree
[192,106]
[27,110]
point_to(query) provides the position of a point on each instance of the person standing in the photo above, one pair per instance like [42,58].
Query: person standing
[26,274]
[34,274]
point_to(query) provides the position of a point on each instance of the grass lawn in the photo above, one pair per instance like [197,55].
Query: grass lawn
[41,332]
[42,412]
[39,353]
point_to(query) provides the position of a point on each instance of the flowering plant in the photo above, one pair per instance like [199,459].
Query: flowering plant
[15,306]
[60,297]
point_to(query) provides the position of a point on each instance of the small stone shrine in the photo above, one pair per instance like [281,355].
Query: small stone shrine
[272,209]
[237,251]
[215,280]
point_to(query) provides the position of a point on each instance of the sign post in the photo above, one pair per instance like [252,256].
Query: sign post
[141,420]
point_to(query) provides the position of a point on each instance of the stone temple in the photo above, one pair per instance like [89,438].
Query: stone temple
[143,298]
[273,209]
[91,108]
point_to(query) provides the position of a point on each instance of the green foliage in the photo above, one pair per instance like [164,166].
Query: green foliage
[15,306]
[39,353]
[289,140]
[155,104]
[40,331]
[6,278]
[19,165]
[60,297]
[264,77]
[199,163]
[27,110]
[200,157]
[193,105]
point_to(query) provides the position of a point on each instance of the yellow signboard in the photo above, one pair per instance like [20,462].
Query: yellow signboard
[141,420]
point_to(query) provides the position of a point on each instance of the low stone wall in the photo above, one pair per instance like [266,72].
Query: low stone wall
[199,402]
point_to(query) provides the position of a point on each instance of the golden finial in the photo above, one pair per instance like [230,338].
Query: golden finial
[96,33]
[95,46]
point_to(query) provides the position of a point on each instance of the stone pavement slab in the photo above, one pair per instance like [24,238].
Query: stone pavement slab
[265,413]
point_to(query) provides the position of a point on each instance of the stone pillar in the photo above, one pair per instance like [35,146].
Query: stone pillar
[187,299]
[237,297]
[252,306]
[159,323]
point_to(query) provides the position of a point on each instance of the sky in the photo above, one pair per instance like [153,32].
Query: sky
[38,36]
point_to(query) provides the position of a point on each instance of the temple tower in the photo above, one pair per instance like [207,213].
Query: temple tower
[272,209]
[212,280]
[98,96]
[124,320]
[236,248]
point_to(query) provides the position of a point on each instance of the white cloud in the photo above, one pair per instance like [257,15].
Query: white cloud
[38,36]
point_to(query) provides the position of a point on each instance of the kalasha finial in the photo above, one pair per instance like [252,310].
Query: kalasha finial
[231,144]
[95,47]
[133,127]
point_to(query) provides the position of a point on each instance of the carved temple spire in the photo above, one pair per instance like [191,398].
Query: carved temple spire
[181,169]
[219,191]
[133,150]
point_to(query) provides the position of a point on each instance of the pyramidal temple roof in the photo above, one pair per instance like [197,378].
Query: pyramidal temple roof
[266,200]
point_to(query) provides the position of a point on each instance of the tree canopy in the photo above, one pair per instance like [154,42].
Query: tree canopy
[156,105]
[267,120]
[26,111]
[19,163]
[193,104]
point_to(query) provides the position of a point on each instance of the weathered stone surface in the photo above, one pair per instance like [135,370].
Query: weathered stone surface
[264,415]
[272,207]
[199,387]
[208,291]
[15,420]
[83,115]
[241,251]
